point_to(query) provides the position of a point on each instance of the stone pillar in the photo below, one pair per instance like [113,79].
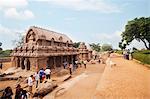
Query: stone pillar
[37,65]
[71,59]
[67,58]
[61,60]
[54,59]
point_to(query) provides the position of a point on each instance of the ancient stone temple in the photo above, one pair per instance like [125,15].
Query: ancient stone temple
[44,48]
[84,53]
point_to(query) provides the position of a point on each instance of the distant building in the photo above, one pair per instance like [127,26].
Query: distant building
[84,53]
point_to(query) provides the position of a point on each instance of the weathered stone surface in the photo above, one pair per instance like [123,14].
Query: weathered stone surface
[4,74]
[44,89]
[8,78]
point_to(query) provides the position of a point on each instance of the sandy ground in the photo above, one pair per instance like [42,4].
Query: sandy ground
[84,88]
[6,65]
[128,80]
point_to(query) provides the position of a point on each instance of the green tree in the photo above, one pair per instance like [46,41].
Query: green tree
[76,44]
[106,47]
[138,29]
[95,47]
[122,45]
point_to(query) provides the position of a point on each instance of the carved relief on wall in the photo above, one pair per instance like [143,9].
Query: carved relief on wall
[30,37]
[60,39]
[52,42]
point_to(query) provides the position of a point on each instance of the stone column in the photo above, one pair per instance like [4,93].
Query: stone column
[61,59]
[71,58]
[54,59]
[36,65]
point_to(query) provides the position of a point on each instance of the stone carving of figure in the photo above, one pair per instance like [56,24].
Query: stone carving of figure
[31,37]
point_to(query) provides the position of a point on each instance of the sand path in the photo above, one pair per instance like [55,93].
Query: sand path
[127,80]
[85,88]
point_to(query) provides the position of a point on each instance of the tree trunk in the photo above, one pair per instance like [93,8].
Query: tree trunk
[147,46]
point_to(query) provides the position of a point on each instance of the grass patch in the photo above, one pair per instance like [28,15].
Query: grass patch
[142,56]
[5,53]
[119,51]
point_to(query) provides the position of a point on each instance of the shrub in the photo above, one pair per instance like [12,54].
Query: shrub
[119,51]
[5,53]
[142,56]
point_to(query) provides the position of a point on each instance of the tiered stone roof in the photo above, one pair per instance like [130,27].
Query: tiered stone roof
[49,35]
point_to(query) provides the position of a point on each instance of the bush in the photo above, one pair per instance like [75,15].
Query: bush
[142,56]
[119,51]
[5,53]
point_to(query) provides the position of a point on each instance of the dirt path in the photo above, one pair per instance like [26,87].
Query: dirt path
[85,88]
[128,80]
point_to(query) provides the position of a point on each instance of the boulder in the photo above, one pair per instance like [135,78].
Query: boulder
[44,89]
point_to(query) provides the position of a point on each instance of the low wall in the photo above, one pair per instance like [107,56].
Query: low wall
[5,59]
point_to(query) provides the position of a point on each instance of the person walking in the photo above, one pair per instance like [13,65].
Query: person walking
[36,76]
[76,63]
[18,92]
[24,95]
[41,74]
[131,53]
[30,84]
[70,69]
[127,54]
[85,62]
[99,61]
[47,73]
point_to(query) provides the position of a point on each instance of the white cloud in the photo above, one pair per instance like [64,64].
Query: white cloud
[7,35]
[136,44]
[13,3]
[91,5]
[114,39]
[22,15]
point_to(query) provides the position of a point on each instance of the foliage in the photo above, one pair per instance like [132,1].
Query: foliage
[122,46]
[119,51]
[106,47]
[142,56]
[5,53]
[19,42]
[95,47]
[0,46]
[138,29]
[76,44]
[135,49]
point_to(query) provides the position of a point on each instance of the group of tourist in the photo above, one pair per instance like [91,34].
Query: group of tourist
[19,94]
[22,94]
[127,53]
[39,76]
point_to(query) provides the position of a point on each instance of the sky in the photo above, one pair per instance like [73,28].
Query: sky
[89,21]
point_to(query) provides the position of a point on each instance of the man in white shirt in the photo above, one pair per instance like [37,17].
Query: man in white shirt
[48,73]
[30,83]
[36,76]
